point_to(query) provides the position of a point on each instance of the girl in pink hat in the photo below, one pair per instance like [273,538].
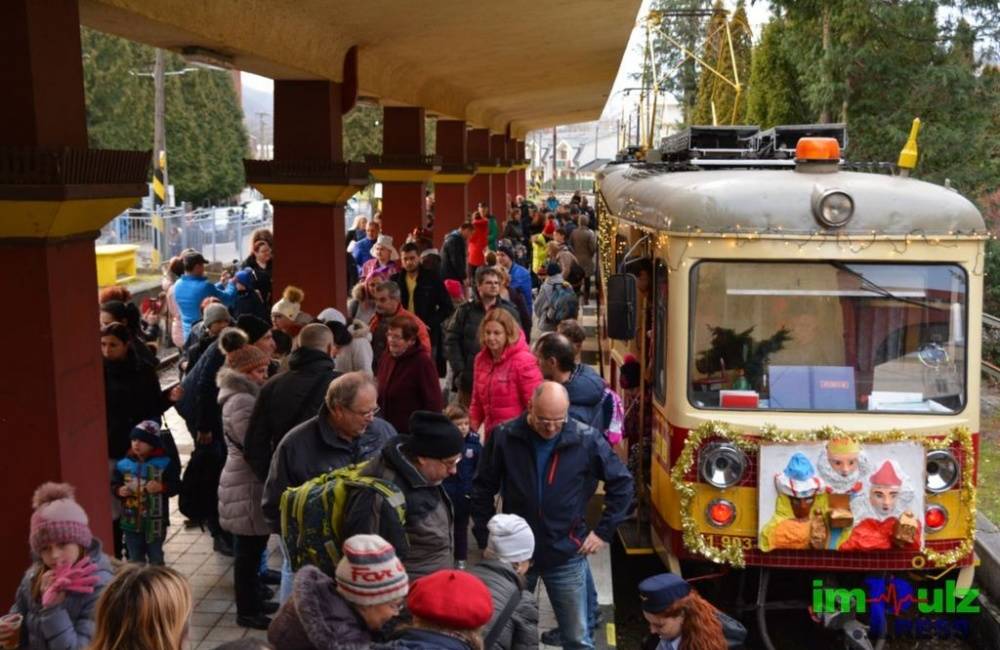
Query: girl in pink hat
[58,595]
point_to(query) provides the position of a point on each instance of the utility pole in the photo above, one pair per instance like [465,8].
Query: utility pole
[554,156]
[159,116]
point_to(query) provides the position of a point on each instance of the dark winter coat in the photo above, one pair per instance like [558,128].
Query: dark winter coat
[407,383]
[313,448]
[285,401]
[316,617]
[200,405]
[431,302]
[131,394]
[69,625]
[262,279]
[586,397]
[198,342]
[416,639]
[454,256]
[426,543]
[250,302]
[520,631]
[581,458]
[240,491]
[461,338]
[459,485]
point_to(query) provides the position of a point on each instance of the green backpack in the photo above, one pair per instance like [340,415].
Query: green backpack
[312,514]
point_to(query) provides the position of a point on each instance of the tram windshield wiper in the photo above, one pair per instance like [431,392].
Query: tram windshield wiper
[868,284]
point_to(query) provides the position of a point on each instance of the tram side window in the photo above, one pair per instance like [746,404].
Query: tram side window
[659,340]
[828,336]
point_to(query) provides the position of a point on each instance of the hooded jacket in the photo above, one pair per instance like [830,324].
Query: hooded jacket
[407,383]
[316,616]
[454,254]
[131,394]
[461,338]
[358,355]
[586,397]
[69,625]
[502,387]
[555,503]
[520,631]
[478,242]
[240,491]
[543,299]
[285,401]
[313,448]
[425,543]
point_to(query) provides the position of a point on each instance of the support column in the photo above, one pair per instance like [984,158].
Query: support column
[479,154]
[451,183]
[52,387]
[309,229]
[498,178]
[521,176]
[400,171]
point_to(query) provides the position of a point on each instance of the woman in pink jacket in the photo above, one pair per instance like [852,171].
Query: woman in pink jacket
[505,372]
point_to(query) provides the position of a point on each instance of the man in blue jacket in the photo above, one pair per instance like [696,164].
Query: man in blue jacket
[193,287]
[546,466]
[557,361]
[520,277]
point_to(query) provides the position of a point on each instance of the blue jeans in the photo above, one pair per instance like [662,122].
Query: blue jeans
[141,551]
[287,575]
[566,586]
[592,606]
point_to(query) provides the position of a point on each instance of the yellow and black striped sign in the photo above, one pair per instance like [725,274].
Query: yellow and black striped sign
[159,187]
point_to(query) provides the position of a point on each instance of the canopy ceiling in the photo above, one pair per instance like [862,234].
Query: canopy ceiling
[523,63]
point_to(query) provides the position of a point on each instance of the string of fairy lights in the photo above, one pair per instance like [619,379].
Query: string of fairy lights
[731,551]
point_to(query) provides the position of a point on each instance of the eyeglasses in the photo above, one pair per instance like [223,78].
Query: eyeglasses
[366,414]
[549,422]
[448,464]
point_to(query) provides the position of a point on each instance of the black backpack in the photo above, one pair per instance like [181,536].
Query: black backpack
[576,274]
[199,497]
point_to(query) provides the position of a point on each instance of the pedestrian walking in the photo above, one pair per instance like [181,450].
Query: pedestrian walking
[459,486]
[506,560]
[349,609]
[584,243]
[455,254]
[407,376]
[422,292]
[57,598]
[545,466]
[417,465]
[505,373]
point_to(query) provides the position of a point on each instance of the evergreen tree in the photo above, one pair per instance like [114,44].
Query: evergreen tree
[729,53]
[710,86]
[684,23]
[774,95]
[206,139]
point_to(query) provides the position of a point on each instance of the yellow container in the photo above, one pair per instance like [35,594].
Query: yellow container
[115,263]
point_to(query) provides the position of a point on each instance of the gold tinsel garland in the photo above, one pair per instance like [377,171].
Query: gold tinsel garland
[732,552]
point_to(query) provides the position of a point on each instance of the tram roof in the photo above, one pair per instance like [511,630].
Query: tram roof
[780,202]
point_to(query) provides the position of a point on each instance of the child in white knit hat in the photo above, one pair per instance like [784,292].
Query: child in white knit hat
[57,598]
[507,558]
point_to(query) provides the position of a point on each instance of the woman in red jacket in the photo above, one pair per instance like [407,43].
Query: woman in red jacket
[407,376]
[477,244]
[505,372]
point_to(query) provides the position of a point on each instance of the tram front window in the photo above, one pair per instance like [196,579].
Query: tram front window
[828,336]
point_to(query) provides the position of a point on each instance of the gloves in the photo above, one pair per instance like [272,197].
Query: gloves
[78,578]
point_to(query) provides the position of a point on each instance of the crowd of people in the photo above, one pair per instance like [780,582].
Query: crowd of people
[450,383]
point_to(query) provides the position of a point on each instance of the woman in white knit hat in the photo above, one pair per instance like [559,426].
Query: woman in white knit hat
[384,262]
[507,558]
[368,591]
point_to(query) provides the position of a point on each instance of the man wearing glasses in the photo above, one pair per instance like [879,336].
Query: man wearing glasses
[344,432]
[546,466]
[417,464]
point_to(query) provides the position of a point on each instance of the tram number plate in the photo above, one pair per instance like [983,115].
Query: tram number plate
[723,541]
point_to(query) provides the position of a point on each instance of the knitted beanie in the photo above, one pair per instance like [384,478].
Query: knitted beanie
[369,573]
[214,313]
[290,304]
[451,599]
[247,358]
[149,432]
[246,278]
[58,518]
[511,538]
[254,327]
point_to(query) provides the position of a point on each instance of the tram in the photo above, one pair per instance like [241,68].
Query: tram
[797,339]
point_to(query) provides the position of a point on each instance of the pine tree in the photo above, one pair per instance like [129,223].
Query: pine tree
[714,51]
[729,53]
[682,21]
[774,95]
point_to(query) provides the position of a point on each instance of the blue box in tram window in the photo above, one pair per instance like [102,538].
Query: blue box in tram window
[817,388]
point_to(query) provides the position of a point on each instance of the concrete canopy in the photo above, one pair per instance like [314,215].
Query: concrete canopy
[522,64]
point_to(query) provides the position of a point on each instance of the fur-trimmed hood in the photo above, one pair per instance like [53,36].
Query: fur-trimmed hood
[232,382]
[360,330]
[316,616]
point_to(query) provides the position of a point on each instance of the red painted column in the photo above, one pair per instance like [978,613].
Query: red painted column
[521,175]
[402,200]
[310,243]
[450,188]
[498,180]
[479,153]
[52,422]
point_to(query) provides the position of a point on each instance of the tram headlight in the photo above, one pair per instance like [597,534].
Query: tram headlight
[935,517]
[943,470]
[722,464]
[720,513]
[833,208]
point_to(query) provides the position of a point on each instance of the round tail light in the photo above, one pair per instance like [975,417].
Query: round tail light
[720,513]
[935,517]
